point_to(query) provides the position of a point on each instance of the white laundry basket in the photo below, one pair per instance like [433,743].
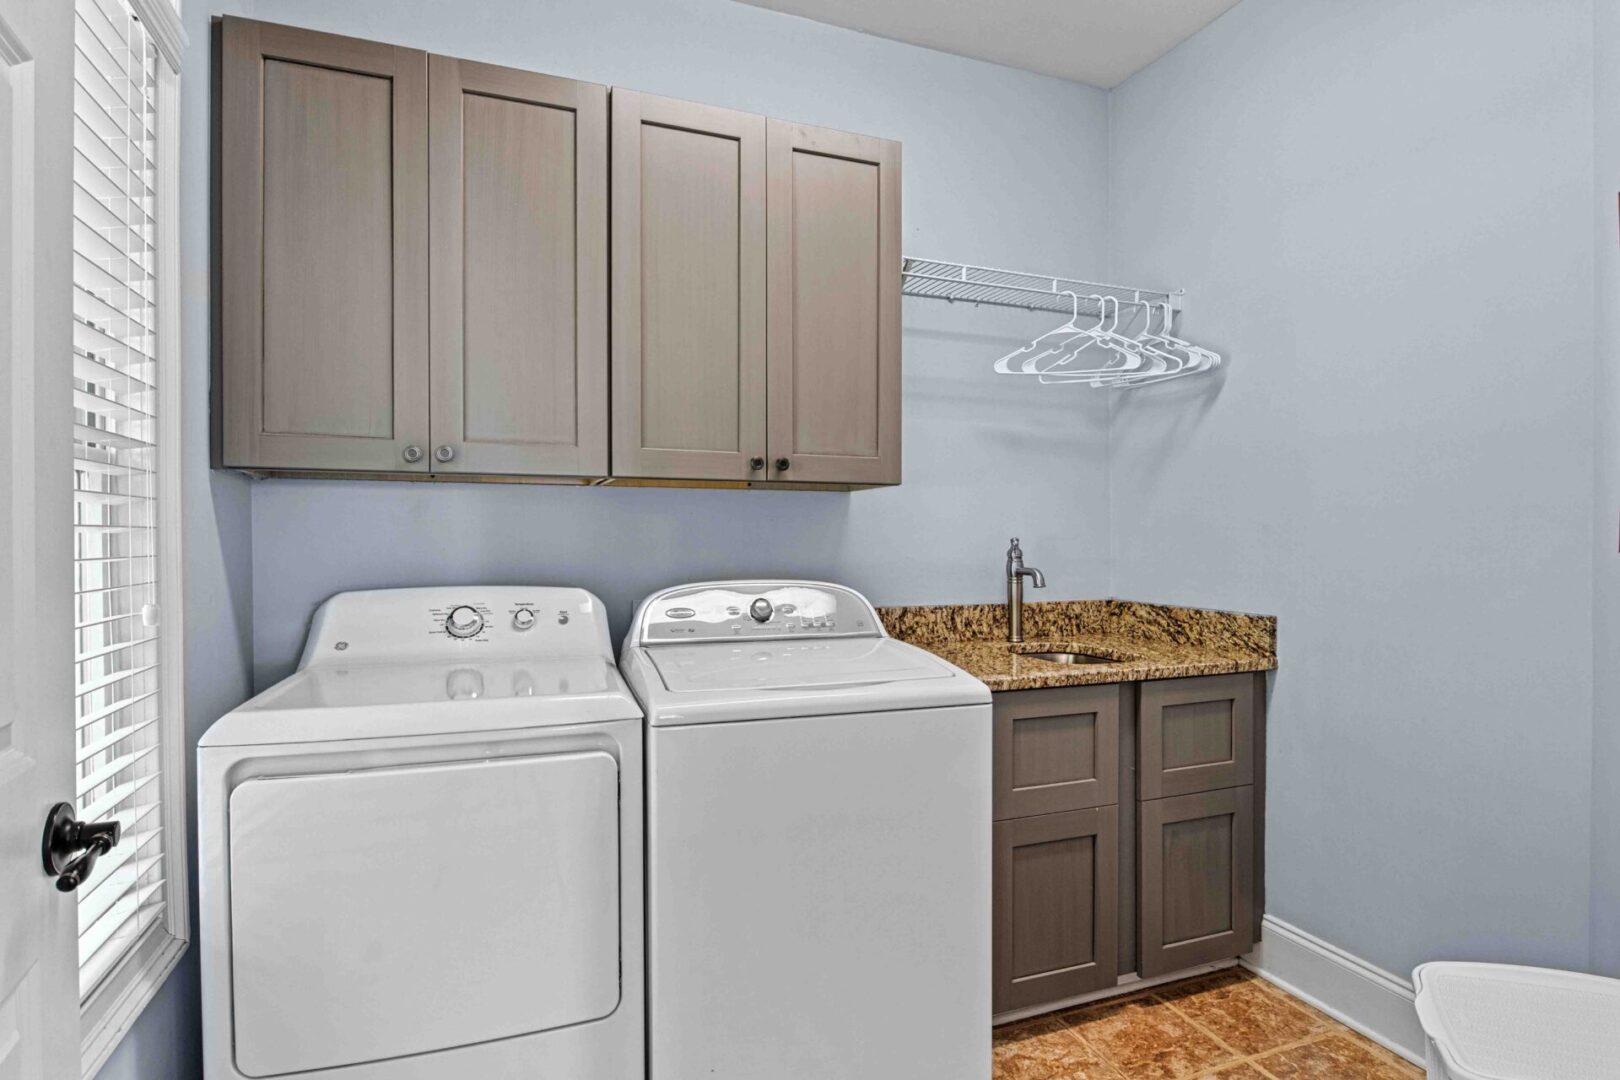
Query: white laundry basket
[1499,1022]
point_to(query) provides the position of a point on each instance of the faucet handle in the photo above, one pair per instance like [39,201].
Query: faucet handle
[1015,557]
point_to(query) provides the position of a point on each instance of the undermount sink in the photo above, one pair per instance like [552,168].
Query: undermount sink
[1069,658]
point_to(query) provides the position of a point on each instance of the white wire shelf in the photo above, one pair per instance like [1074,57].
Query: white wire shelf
[1126,350]
[953,281]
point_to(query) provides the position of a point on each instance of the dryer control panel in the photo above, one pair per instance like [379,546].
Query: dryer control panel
[452,622]
[753,610]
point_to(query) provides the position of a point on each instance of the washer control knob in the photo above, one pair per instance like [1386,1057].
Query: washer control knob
[463,622]
[523,618]
[760,610]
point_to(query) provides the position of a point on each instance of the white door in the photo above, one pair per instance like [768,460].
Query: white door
[39,994]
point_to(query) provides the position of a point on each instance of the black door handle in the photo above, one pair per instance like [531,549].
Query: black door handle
[71,847]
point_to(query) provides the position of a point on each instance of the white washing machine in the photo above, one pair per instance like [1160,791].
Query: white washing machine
[421,854]
[818,841]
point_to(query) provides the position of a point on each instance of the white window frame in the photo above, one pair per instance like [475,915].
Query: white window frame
[107,1015]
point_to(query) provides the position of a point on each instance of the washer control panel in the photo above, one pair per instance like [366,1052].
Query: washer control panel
[754,610]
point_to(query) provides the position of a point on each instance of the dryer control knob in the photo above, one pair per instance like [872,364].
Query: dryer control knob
[463,622]
[523,619]
[760,610]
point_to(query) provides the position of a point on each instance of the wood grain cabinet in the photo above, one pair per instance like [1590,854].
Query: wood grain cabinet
[756,307]
[323,246]
[688,290]
[834,243]
[413,261]
[1056,909]
[1197,734]
[1128,833]
[1056,750]
[1197,879]
[419,275]
[517,214]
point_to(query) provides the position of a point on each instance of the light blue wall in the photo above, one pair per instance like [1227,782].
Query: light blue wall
[1606,520]
[1000,166]
[1382,210]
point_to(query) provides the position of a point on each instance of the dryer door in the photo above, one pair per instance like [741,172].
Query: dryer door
[391,912]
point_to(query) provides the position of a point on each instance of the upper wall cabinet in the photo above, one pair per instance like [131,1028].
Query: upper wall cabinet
[834,241]
[756,311]
[688,290]
[414,277]
[323,233]
[518,222]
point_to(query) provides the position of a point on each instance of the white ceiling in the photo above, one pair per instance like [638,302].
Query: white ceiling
[1101,42]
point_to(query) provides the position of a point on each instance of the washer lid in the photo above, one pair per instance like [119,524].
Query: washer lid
[791,665]
[721,681]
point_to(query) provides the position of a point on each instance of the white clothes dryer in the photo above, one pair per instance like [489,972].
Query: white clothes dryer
[421,854]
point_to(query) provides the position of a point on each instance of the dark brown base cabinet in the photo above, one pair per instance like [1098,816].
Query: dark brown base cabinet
[1196,902]
[1056,932]
[1127,833]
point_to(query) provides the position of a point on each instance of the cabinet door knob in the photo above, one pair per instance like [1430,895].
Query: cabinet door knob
[412,454]
[445,453]
[782,464]
[756,464]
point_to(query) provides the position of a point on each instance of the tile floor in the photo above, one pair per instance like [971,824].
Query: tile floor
[1227,1026]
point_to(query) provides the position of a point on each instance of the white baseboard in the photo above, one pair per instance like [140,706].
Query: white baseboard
[1347,988]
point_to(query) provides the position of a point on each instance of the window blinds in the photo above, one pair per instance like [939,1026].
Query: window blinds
[114,477]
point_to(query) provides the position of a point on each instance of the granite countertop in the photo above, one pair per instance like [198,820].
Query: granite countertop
[1145,641]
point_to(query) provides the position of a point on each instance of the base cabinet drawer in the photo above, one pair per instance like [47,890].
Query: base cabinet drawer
[1197,734]
[1055,907]
[1056,750]
[1197,881]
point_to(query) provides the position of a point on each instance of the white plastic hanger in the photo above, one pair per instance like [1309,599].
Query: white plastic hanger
[1028,355]
[1128,358]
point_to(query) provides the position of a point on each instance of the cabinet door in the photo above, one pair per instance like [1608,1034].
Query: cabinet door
[1197,734]
[835,306]
[1056,750]
[1056,907]
[1196,863]
[688,302]
[518,223]
[322,146]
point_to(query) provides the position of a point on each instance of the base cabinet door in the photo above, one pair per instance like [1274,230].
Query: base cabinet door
[1196,868]
[518,220]
[323,251]
[1055,909]
[834,306]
